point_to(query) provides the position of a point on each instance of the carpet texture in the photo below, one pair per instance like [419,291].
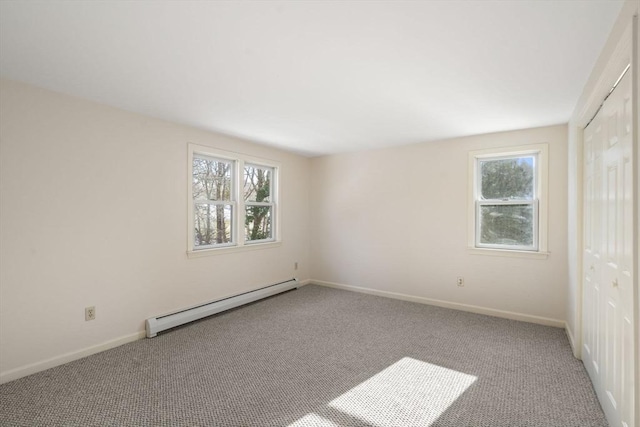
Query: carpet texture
[320,357]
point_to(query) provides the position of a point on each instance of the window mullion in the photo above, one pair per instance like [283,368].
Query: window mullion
[258,203]
[506,202]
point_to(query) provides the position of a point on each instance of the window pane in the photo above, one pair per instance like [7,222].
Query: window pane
[211,179]
[506,225]
[507,178]
[258,223]
[257,184]
[212,224]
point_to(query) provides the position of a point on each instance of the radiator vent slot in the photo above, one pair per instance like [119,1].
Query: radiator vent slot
[171,320]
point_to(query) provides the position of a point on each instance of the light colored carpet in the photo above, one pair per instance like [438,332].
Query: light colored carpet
[320,357]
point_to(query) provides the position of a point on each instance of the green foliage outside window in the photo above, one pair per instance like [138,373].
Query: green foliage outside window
[507,180]
[257,189]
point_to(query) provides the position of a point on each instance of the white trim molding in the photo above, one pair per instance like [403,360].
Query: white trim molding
[507,253]
[447,304]
[541,190]
[236,201]
[575,350]
[232,249]
[302,283]
[43,365]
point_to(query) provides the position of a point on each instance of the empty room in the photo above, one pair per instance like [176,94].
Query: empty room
[319,213]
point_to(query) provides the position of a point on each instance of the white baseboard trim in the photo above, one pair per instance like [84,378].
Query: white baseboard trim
[572,341]
[447,304]
[33,368]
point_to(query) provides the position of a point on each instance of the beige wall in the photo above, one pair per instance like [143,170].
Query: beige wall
[395,220]
[93,212]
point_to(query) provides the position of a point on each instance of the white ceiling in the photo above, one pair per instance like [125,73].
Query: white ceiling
[316,77]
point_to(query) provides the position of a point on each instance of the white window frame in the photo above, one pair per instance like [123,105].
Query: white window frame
[231,202]
[270,203]
[238,242]
[539,248]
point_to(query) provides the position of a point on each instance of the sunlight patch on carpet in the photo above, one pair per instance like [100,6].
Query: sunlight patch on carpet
[408,393]
[313,420]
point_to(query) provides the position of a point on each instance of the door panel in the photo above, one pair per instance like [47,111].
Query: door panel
[609,334]
[592,207]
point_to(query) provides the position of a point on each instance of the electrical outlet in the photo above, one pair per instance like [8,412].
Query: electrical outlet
[460,281]
[89,313]
[295,265]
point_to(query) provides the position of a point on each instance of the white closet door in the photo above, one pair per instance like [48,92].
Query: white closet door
[593,205]
[608,256]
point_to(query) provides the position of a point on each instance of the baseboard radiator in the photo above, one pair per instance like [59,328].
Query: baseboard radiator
[168,321]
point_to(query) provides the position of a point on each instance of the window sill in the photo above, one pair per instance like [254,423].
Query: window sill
[508,253]
[232,249]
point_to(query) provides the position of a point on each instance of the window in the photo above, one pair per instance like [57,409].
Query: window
[258,203]
[232,201]
[509,199]
[213,207]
